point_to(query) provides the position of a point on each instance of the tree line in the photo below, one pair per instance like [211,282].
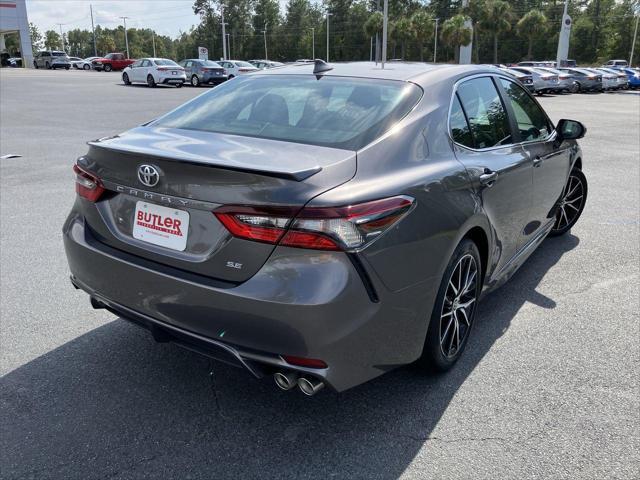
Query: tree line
[502,31]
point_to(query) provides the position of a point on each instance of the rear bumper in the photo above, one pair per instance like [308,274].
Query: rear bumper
[214,79]
[302,303]
[172,79]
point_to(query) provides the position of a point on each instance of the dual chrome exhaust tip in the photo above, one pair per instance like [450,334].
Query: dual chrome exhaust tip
[307,385]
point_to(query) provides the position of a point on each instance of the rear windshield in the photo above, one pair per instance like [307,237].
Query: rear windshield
[58,54]
[209,63]
[166,62]
[244,64]
[335,112]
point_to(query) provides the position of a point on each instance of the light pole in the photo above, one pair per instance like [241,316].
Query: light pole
[61,35]
[224,35]
[633,44]
[435,42]
[264,33]
[95,48]
[328,15]
[313,43]
[126,39]
[228,45]
[153,39]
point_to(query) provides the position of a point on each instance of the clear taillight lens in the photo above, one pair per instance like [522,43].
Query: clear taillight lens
[321,228]
[88,185]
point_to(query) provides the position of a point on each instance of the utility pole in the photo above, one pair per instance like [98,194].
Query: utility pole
[224,35]
[313,43]
[153,39]
[95,48]
[435,42]
[385,15]
[328,15]
[264,33]
[126,39]
[633,44]
[229,44]
[61,35]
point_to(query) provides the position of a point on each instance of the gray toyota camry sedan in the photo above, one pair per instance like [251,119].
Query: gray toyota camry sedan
[324,224]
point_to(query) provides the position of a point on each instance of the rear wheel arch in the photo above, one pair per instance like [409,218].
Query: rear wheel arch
[478,236]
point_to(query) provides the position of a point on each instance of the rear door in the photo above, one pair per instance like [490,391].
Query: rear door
[550,161]
[498,167]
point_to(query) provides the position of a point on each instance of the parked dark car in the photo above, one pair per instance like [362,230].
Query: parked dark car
[203,71]
[324,224]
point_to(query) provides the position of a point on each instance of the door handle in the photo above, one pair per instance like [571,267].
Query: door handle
[488,177]
[537,161]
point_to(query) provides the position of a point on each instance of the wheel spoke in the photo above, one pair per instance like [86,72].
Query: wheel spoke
[469,284]
[446,330]
[572,190]
[466,304]
[568,202]
[569,205]
[464,314]
[453,336]
[455,290]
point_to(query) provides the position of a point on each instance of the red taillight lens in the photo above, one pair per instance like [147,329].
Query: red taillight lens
[304,362]
[319,228]
[88,185]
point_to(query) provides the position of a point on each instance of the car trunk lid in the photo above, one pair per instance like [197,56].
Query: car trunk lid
[197,173]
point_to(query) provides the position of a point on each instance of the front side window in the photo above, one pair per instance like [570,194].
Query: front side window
[335,112]
[531,119]
[486,114]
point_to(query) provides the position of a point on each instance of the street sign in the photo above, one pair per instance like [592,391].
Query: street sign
[203,53]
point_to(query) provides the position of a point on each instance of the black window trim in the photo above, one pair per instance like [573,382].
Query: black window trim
[515,133]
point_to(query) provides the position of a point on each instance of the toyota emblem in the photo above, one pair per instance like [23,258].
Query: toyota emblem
[148,175]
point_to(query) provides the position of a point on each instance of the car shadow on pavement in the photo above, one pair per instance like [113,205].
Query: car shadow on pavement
[112,403]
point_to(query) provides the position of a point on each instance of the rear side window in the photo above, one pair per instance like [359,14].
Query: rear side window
[485,113]
[335,112]
[532,121]
[460,131]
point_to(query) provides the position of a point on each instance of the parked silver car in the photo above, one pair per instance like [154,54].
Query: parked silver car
[609,80]
[262,64]
[52,59]
[623,79]
[543,82]
[566,81]
[200,72]
[587,81]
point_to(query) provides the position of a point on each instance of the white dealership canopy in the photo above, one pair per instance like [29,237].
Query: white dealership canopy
[13,19]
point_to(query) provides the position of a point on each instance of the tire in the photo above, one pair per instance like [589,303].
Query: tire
[438,354]
[66,68]
[574,198]
[195,81]
[47,65]
[575,87]
[107,67]
[230,77]
[125,79]
[35,65]
[86,67]
[179,85]
[150,81]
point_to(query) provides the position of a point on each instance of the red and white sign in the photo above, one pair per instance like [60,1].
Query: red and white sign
[162,226]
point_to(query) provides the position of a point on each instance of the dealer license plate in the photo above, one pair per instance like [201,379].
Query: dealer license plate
[163,226]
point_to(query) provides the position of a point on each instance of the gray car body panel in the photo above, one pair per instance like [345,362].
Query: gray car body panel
[363,313]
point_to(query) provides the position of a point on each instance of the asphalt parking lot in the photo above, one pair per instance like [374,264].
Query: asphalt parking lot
[548,386]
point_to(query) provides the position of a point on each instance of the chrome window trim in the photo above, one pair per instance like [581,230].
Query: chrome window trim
[491,75]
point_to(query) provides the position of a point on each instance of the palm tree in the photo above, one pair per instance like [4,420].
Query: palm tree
[402,33]
[533,24]
[423,29]
[455,33]
[496,19]
[373,27]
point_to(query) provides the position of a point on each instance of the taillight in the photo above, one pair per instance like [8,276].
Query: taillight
[320,228]
[88,185]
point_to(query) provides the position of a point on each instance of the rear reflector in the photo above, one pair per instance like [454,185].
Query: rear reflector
[320,228]
[88,185]
[304,362]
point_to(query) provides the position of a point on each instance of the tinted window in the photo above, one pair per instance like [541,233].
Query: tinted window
[335,112]
[459,127]
[487,117]
[209,63]
[163,61]
[532,121]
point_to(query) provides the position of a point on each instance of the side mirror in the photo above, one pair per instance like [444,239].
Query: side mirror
[570,129]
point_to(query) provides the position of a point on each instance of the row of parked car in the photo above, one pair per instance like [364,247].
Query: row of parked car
[543,77]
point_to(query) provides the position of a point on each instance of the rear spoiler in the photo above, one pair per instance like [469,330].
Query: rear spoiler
[298,175]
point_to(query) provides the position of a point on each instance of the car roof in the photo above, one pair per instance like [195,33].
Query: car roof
[414,71]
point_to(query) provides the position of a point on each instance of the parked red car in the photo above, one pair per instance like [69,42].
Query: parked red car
[112,61]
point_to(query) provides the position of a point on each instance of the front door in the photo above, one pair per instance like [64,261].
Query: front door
[551,162]
[498,167]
